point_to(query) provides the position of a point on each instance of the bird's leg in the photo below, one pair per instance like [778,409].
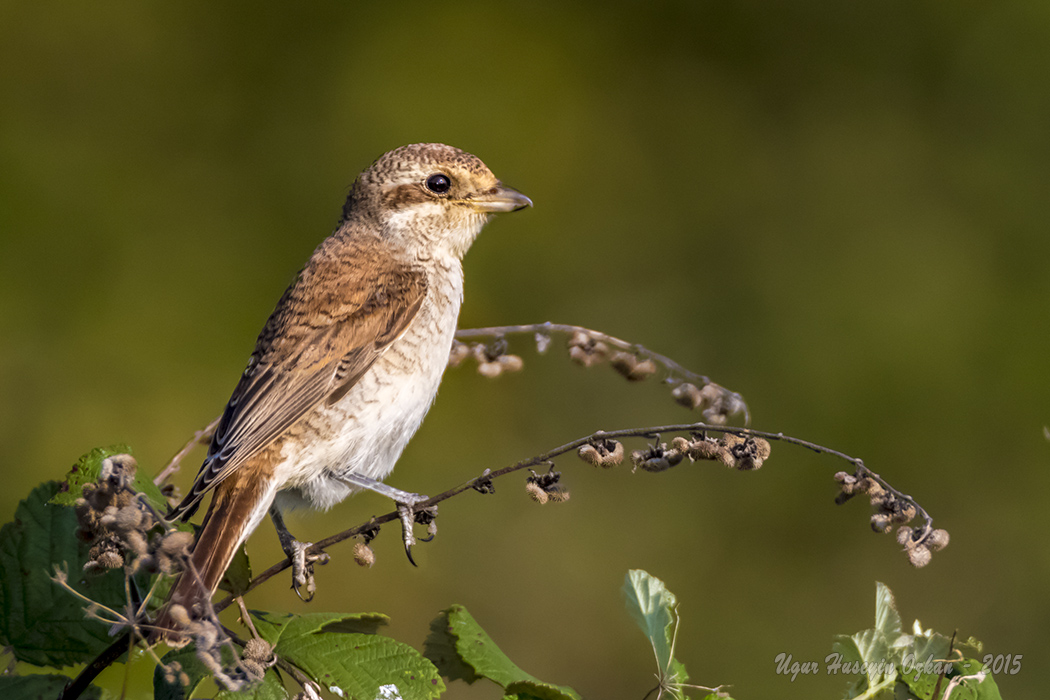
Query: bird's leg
[406,504]
[302,563]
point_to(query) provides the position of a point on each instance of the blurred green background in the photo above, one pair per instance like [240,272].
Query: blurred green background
[837,209]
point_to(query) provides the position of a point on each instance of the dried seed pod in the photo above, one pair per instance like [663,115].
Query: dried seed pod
[180,615]
[176,543]
[681,444]
[110,559]
[687,395]
[602,453]
[905,536]
[904,513]
[631,367]
[136,542]
[589,454]
[938,540]
[536,493]
[364,555]
[585,350]
[919,556]
[511,363]
[252,669]
[880,522]
[118,471]
[458,353]
[580,339]
[748,453]
[581,356]
[705,448]
[557,496]
[258,650]
[490,370]
[655,464]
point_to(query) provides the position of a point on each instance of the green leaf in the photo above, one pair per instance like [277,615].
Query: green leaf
[41,687]
[343,654]
[43,623]
[922,661]
[87,469]
[274,626]
[653,607]
[971,690]
[362,666]
[480,657]
[880,648]
[440,648]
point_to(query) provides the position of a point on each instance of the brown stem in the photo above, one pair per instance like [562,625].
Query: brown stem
[199,437]
[546,457]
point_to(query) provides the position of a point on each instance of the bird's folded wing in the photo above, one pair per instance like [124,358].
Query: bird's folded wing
[331,326]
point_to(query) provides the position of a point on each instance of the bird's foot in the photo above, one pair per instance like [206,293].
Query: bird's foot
[406,509]
[407,513]
[301,561]
[303,568]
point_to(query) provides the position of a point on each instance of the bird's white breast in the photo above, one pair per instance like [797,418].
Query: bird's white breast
[365,432]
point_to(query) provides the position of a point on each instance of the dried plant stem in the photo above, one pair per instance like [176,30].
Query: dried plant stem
[202,436]
[547,457]
[676,373]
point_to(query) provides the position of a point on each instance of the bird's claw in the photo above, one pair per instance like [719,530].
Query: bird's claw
[408,515]
[303,569]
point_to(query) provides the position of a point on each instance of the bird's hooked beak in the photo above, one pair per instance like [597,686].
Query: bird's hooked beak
[499,199]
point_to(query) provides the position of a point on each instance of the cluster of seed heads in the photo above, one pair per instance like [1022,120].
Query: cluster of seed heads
[891,510]
[492,358]
[920,543]
[544,488]
[602,453]
[208,639]
[118,525]
[589,348]
[734,451]
[714,402]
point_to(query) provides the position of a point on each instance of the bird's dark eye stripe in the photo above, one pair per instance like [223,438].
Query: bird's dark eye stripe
[438,183]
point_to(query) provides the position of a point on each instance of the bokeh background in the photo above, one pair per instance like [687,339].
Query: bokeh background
[837,209]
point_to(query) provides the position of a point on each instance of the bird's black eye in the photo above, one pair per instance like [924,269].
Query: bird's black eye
[438,183]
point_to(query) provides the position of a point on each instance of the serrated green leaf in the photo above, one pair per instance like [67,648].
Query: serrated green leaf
[881,647]
[653,608]
[476,649]
[274,626]
[43,623]
[440,648]
[362,666]
[536,691]
[41,687]
[87,469]
[922,660]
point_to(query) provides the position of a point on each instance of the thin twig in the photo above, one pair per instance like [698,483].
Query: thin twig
[200,437]
[677,374]
[546,457]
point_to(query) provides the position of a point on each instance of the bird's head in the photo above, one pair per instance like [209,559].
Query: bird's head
[436,196]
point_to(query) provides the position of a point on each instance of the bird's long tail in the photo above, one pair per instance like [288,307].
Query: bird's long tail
[236,509]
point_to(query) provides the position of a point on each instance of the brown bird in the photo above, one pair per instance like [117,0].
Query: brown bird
[350,360]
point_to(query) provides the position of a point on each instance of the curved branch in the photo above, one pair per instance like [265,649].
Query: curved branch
[546,457]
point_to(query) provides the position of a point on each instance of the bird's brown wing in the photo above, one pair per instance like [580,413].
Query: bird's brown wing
[328,329]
